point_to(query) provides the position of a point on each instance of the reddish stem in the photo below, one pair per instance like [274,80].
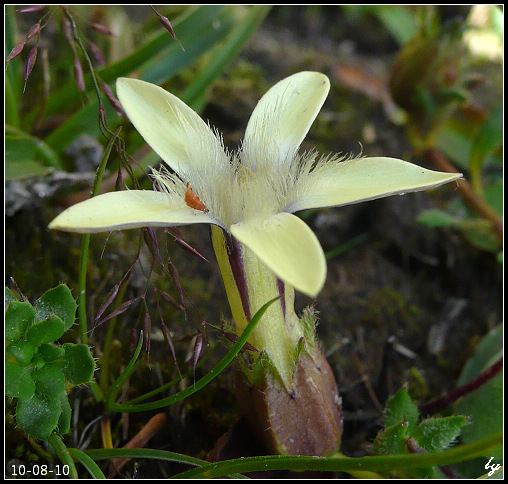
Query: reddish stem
[448,398]
[478,204]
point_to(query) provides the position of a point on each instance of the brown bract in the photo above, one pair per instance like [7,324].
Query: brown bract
[306,421]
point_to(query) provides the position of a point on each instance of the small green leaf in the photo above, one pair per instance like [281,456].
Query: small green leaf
[46,331]
[400,22]
[18,317]
[64,422]
[9,297]
[494,196]
[27,156]
[481,234]
[400,408]
[435,218]
[50,352]
[436,434]
[38,416]
[485,405]
[37,361]
[21,169]
[489,348]
[23,351]
[57,301]
[78,363]
[49,381]
[392,440]
[489,136]
[18,381]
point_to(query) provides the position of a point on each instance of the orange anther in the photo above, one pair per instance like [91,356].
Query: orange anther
[193,201]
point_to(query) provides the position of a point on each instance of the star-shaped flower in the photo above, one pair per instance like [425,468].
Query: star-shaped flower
[253,193]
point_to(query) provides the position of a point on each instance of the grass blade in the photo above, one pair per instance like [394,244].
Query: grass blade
[215,371]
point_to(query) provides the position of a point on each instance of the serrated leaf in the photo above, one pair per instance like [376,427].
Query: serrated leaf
[78,363]
[57,301]
[64,422]
[399,408]
[9,297]
[18,381]
[22,351]
[49,381]
[46,331]
[436,434]
[38,416]
[50,352]
[18,317]
[392,440]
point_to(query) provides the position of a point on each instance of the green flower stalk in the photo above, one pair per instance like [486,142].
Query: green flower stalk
[249,197]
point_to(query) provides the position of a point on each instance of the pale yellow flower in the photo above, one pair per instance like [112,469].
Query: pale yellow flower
[249,198]
[253,193]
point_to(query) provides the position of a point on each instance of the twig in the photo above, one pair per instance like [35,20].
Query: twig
[152,427]
[366,381]
[448,398]
[478,204]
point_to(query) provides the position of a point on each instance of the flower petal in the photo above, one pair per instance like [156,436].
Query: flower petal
[283,117]
[174,131]
[332,183]
[127,210]
[288,247]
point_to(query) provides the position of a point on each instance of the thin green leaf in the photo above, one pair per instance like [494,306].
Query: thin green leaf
[215,371]
[489,137]
[63,454]
[85,243]
[101,454]
[20,147]
[88,463]
[226,53]
[485,405]
[117,385]
[398,21]
[11,104]
[157,67]
[376,463]
[196,19]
